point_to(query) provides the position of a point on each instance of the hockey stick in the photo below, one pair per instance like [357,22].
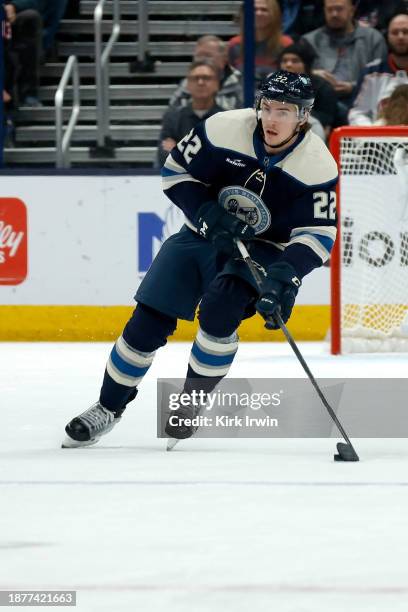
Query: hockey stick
[346,452]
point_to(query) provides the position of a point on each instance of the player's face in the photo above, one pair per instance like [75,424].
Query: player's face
[292,63]
[338,13]
[398,35]
[202,83]
[279,121]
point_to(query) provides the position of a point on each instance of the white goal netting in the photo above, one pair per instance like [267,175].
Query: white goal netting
[374,244]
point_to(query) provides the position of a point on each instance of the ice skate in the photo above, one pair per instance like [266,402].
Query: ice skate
[171,443]
[178,425]
[87,428]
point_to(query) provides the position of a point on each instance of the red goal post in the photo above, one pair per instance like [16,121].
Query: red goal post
[366,292]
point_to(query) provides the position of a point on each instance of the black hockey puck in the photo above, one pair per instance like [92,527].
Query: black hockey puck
[345,453]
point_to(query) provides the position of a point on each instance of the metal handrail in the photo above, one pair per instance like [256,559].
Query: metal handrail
[143,26]
[63,140]
[144,62]
[102,68]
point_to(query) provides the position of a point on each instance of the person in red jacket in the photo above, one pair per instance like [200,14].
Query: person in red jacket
[269,40]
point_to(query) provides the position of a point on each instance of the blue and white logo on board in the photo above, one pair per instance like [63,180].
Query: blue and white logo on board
[153,230]
[247,206]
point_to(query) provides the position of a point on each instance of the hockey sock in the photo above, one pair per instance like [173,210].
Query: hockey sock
[125,369]
[132,355]
[210,360]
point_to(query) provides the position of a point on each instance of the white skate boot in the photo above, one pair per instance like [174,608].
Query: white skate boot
[87,428]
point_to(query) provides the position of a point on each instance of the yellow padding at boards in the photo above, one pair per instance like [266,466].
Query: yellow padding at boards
[105,323]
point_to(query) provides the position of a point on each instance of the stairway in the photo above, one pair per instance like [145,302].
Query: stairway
[137,100]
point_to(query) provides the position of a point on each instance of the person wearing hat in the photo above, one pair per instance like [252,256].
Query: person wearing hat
[299,57]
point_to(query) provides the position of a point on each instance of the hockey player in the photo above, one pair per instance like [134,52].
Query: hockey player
[257,175]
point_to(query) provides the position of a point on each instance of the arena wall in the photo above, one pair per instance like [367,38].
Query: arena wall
[73,250]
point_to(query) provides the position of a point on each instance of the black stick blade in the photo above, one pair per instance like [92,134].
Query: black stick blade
[346,453]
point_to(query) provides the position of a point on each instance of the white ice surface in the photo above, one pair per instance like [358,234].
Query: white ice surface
[216,525]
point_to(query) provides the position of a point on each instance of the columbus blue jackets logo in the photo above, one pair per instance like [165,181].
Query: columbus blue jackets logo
[247,206]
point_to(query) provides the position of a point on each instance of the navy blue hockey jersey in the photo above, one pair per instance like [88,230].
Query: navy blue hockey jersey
[288,198]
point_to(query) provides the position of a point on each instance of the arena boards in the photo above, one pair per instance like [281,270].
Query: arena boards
[80,247]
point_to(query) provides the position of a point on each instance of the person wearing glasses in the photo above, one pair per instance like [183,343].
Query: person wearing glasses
[203,83]
[229,95]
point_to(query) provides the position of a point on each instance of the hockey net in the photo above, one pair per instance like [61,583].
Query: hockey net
[369,266]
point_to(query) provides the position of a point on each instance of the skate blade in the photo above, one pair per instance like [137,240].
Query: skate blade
[171,443]
[70,443]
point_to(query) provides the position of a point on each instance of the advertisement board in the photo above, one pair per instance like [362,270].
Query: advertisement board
[87,241]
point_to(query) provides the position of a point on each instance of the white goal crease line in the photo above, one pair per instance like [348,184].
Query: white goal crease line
[183,483]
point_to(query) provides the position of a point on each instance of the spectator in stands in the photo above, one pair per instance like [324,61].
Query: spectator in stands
[229,95]
[203,82]
[299,57]
[269,40]
[52,11]
[343,48]
[382,76]
[9,86]
[8,64]
[377,13]
[73,9]
[301,16]
[26,25]
[394,109]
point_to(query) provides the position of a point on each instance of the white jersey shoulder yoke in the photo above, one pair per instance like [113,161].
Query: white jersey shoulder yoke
[310,163]
[233,130]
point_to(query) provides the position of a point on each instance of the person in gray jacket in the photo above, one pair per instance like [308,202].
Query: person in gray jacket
[229,96]
[203,82]
[343,49]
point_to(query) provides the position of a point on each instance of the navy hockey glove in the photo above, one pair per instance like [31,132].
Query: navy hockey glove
[220,227]
[278,293]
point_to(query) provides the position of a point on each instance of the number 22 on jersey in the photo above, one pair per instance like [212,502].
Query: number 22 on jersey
[325,205]
[189,146]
